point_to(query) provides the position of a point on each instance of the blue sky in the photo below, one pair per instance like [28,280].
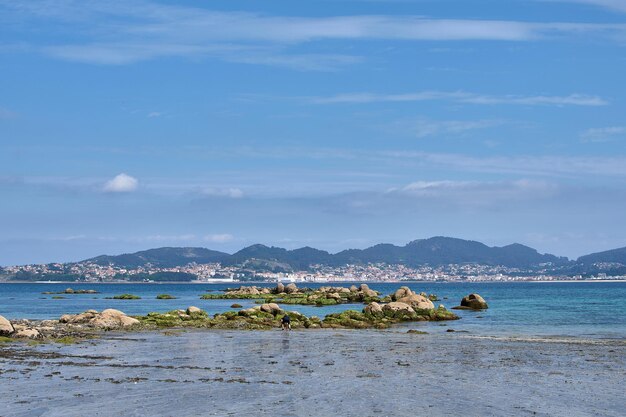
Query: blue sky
[126,125]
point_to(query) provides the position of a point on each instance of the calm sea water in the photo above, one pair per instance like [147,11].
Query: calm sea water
[581,309]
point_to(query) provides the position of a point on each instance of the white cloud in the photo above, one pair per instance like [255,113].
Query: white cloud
[602,134]
[121,32]
[122,183]
[464,97]
[219,238]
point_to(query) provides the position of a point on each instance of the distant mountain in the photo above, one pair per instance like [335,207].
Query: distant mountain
[283,259]
[161,257]
[445,250]
[612,256]
[434,251]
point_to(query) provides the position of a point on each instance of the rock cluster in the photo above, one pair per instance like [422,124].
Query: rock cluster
[109,319]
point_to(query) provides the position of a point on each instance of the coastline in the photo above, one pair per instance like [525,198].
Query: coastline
[269,373]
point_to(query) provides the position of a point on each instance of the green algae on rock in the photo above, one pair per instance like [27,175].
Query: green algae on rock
[292,295]
[165,297]
[124,297]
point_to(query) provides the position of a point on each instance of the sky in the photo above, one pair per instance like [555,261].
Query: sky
[128,125]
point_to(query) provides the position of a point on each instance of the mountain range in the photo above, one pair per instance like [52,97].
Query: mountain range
[434,251]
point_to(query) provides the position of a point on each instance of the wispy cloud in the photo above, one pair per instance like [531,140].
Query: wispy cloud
[619,5]
[120,32]
[464,191]
[424,128]
[464,98]
[603,134]
[219,238]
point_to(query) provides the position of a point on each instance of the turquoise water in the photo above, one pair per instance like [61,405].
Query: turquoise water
[580,309]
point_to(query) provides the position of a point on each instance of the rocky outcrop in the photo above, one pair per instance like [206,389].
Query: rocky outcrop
[6,328]
[417,301]
[398,310]
[473,302]
[109,319]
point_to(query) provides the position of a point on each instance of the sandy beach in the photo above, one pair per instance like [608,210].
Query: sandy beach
[314,373]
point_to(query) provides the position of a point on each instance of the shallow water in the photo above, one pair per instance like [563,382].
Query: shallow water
[582,309]
[314,373]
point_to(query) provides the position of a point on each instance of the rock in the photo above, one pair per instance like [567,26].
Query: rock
[193,310]
[401,293]
[363,288]
[280,288]
[417,302]
[353,288]
[128,321]
[373,309]
[272,308]
[413,331]
[474,301]
[69,291]
[334,296]
[6,328]
[369,293]
[235,305]
[396,307]
[291,288]
[28,334]
[111,319]
[65,318]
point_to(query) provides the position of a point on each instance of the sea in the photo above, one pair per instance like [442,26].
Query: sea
[519,309]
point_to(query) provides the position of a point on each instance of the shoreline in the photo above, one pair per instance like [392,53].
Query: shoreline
[365,373]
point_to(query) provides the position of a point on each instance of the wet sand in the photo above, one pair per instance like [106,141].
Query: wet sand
[314,373]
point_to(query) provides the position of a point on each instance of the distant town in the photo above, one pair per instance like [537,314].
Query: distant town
[216,272]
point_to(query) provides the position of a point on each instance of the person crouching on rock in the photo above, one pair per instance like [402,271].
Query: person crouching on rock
[286,322]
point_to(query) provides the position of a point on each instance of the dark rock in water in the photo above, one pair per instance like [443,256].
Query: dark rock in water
[474,302]
[413,331]
[236,305]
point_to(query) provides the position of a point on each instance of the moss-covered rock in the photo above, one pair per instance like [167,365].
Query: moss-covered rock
[165,297]
[124,297]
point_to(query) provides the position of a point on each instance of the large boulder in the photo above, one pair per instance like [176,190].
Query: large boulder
[6,328]
[418,302]
[280,288]
[28,334]
[474,301]
[399,310]
[272,308]
[373,309]
[401,293]
[111,319]
[194,310]
[291,288]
